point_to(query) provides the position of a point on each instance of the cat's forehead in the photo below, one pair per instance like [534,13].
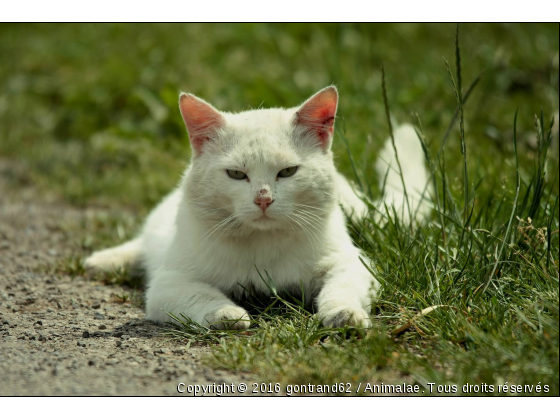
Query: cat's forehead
[270,119]
[262,150]
[262,136]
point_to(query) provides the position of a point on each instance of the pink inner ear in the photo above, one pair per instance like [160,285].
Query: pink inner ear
[201,119]
[318,114]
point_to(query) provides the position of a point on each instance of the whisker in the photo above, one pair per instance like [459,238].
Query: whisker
[215,228]
[307,233]
[312,228]
[311,207]
[317,222]
[310,214]
[225,228]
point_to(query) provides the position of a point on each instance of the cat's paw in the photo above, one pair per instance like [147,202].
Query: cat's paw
[119,256]
[229,318]
[345,316]
[105,260]
[102,261]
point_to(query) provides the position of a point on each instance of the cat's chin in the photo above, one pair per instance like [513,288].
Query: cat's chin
[265,223]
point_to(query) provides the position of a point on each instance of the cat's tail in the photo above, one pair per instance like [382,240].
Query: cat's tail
[411,201]
[127,254]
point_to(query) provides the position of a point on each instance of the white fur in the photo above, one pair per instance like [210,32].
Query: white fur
[206,241]
[415,174]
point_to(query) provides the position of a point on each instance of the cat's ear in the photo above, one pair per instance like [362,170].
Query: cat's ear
[317,115]
[201,119]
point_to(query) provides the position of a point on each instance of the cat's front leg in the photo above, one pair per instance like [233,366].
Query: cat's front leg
[345,298]
[170,291]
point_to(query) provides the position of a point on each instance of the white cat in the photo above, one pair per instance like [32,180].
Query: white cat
[262,194]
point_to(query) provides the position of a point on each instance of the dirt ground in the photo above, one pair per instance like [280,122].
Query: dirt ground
[63,335]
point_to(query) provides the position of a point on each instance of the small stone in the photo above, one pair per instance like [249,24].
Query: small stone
[58,305]
[119,343]
[99,315]
[81,344]
[86,334]
[102,327]
[91,363]
[27,301]
[96,305]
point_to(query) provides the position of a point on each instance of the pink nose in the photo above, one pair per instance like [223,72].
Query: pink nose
[263,201]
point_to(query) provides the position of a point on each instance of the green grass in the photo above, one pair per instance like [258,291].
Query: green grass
[89,112]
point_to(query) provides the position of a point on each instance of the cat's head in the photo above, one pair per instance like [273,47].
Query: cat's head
[262,169]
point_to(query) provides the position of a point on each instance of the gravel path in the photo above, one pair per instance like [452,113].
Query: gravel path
[69,336]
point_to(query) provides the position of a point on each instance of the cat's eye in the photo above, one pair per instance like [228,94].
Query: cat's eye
[287,172]
[236,174]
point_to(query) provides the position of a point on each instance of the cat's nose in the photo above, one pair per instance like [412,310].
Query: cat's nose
[264,199]
[263,202]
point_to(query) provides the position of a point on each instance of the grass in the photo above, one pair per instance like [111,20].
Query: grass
[89,113]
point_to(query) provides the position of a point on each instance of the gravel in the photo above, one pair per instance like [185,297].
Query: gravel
[51,341]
